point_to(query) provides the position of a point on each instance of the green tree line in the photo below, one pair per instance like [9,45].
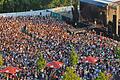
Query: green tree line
[27,5]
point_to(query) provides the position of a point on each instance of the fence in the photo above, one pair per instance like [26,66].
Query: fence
[38,12]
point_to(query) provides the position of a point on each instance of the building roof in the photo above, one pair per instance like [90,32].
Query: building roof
[100,2]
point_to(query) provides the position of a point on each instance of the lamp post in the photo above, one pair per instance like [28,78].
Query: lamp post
[71,2]
[117,19]
[79,9]
[76,6]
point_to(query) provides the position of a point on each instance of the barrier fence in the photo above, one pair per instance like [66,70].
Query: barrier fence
[38,12]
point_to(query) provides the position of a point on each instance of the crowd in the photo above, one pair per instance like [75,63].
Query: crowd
[49,36]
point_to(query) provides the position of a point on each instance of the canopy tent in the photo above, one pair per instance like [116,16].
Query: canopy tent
[54,64]
[11,70]
[102,3]
[90,59]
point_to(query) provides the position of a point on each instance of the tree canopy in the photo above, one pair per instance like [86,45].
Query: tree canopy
[117,52]
[27,5]
[103,76]
[1,60]
[73,57]
[41,62]
[70,74]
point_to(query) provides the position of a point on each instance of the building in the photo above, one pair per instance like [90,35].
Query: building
[101,12]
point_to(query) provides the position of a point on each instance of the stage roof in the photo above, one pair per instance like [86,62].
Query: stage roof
[100,2]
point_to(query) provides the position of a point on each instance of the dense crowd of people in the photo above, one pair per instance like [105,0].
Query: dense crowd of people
[49,36]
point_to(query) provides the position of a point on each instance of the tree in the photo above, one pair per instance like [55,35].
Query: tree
[1,60]
[57,3]
[73,57]
[41,62]
[67,2]
[1,5]
[75,11]
[70,74]
[27,5]
[54,3]
[103,76]
[117,52]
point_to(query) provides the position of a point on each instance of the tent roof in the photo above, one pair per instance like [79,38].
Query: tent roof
[99,2]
